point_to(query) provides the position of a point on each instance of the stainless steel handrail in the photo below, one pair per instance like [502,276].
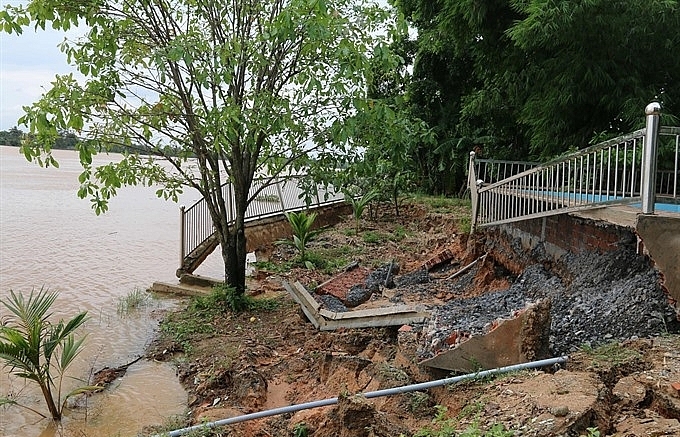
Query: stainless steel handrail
[268,198]
[612,172]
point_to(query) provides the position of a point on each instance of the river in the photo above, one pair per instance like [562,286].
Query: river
[49,237]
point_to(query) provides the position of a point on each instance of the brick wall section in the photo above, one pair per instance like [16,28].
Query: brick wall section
[545,240]
[575,234]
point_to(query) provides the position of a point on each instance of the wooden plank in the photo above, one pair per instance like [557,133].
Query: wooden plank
[308,297]
[179,289]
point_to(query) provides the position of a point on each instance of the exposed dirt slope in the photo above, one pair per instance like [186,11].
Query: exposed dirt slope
[265,359]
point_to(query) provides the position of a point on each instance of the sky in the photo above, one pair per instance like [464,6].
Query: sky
[28,64]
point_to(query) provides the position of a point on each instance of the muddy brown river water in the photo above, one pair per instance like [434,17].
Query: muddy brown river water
[49,237]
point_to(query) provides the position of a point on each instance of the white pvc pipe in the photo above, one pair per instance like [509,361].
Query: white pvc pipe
[368,395]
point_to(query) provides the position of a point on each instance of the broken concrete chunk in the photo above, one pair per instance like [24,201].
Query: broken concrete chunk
[519,340]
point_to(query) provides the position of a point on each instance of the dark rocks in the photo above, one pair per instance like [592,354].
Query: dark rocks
[357,295]
[597,299]
[331,303]
[414,278]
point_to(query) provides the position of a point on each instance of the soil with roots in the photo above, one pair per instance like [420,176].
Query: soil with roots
[609,314]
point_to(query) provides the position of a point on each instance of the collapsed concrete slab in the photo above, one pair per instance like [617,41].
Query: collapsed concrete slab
[521,339]
[325,320]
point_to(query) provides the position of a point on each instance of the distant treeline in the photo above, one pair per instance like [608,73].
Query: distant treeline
[65,140]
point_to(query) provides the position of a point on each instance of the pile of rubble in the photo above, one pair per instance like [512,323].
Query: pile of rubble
[592,299]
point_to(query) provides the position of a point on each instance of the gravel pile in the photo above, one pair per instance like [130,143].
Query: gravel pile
[598,298]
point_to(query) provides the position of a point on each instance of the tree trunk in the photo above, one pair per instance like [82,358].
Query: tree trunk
[234,256]
[51,406]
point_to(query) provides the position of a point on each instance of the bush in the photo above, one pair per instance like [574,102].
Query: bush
[38,350]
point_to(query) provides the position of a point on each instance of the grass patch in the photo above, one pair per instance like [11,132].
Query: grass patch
[442,203]
[610,354]
[178,422]
[445,426]
[202,313]
[331,259]
[371,237]
[392,376]
[398,234]
[269,266]
[134,300]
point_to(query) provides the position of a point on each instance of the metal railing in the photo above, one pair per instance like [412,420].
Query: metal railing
[272,199]
[668,171]
[618,171]
[494,170]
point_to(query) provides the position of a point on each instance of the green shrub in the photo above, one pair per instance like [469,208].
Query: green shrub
[358,205]
[301,223]
[38,350]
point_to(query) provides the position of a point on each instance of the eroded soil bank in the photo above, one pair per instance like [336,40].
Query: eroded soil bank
[233,364]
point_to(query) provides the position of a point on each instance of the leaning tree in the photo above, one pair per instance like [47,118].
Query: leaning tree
[200,92]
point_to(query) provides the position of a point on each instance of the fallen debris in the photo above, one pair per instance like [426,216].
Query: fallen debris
[519,340]
[467,267]
[370,318]
[105,376]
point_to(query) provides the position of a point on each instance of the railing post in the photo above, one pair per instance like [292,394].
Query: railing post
[474,195]
[231,200]
[280,191]
[648,188]
[182,231]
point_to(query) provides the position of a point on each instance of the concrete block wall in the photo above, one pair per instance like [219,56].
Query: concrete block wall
[547,239]
[262,234]
[574,234]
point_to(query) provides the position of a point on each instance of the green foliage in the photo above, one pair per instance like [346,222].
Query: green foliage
[359,204]
[591,432]
[134,300]
[444,426]
[302,224]
[231,90]
[418,401]
[531,78]
[11,137]
[39,350]
[391,138]
[300,430]
[224,298]
[611,354]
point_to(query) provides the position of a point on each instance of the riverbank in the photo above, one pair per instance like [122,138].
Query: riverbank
[271,356]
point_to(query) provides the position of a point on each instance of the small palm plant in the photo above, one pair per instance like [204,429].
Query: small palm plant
[301,223]
[359,204]
[38,350]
